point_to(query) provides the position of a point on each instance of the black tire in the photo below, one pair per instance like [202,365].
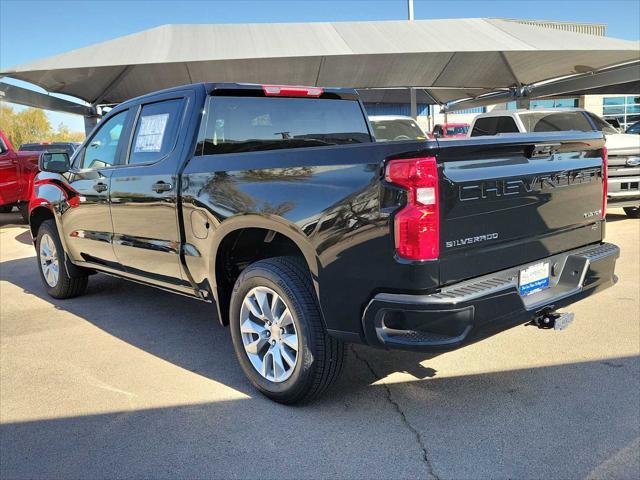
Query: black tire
[6,208]
[632,212]
[24,211]
[320,357]
[66,286]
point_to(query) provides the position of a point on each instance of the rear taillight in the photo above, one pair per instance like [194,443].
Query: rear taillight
[417,225]
[605,180]
[291,91]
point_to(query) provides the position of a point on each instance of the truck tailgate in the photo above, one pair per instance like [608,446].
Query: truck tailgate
[513,199]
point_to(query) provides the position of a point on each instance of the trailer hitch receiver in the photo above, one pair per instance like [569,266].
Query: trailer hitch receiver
[548,319]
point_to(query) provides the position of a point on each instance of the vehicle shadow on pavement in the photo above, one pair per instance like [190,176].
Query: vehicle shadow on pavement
[178,329]
[617,217]
[11,219]
[550,421]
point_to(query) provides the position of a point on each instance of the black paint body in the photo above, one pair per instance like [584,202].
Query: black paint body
[332,203]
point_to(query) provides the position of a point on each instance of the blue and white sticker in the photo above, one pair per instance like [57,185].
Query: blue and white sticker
[534,278]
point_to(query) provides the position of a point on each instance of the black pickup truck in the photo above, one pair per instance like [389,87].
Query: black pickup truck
[276,204]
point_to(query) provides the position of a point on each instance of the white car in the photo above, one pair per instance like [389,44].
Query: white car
[388,128]
[624,149]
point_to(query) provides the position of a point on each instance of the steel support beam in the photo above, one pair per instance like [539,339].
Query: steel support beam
[29,98]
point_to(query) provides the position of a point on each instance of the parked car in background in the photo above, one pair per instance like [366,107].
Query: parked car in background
[277,204]
[614,123]
[68,147]
[395,127]
[623,148]
[17,170]
[450,130]
[634,129]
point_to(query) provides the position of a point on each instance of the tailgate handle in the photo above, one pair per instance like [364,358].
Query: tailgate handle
[544,150]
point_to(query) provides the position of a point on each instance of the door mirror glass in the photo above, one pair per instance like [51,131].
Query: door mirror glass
[55,162]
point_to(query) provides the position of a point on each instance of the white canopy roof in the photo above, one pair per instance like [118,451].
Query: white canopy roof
[454,55]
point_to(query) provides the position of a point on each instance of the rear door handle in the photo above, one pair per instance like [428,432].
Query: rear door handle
[161,186]
[100,187]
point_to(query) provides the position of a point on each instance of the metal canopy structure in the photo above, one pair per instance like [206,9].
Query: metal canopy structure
[448,59]
[623,78]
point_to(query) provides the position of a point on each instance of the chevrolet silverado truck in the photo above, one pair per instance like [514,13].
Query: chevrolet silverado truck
[276,204]
[17,171]
[623,188]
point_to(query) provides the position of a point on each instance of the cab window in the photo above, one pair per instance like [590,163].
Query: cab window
[156,131]
[102,149]
[249,124]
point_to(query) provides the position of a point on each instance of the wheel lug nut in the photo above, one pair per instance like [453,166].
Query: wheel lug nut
[273,342]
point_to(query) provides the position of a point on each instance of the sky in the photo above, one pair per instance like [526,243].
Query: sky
[30,30]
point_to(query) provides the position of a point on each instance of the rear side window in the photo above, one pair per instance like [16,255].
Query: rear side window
[247,124]
[156,131]
[493,126]
[555,122]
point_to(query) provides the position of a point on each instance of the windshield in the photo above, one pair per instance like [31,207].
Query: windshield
[457,130]
[389,130]
[603,126]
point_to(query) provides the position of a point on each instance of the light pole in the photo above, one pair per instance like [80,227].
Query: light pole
[412,91]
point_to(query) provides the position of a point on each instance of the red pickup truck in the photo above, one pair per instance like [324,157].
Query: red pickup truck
[17,170]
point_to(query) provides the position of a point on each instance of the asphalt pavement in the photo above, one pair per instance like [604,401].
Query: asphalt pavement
[129,381]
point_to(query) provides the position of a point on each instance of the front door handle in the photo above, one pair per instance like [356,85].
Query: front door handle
[100,187]
[161,186]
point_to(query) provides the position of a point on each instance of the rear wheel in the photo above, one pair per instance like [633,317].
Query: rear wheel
[53,271]
[278,335]
[633,212]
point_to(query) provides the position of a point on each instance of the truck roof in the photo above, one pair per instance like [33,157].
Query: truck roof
[213,88]
[380,118]
[511,113]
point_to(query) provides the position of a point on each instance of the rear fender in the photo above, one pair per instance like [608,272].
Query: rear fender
[274,223]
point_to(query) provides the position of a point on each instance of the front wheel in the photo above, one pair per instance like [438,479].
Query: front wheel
[53,271]
[278,334]
[632,212]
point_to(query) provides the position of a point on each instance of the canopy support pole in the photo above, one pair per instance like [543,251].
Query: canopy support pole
[414,104]
[90,120]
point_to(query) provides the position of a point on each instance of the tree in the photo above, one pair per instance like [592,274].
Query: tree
[65,135]
[8,122]
[31,125]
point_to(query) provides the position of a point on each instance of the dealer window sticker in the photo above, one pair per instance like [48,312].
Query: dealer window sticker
[151,133]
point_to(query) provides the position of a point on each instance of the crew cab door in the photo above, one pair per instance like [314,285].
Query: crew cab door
[87,223]
[144,191]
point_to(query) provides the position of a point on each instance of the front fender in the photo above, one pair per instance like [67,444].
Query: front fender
[50,193]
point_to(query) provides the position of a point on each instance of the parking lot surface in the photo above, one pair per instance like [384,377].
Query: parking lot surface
[129,381]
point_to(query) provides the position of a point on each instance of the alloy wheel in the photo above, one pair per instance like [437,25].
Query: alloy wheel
[49,260]
[269,334]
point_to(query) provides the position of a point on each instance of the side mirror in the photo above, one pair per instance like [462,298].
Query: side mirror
[54,162]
